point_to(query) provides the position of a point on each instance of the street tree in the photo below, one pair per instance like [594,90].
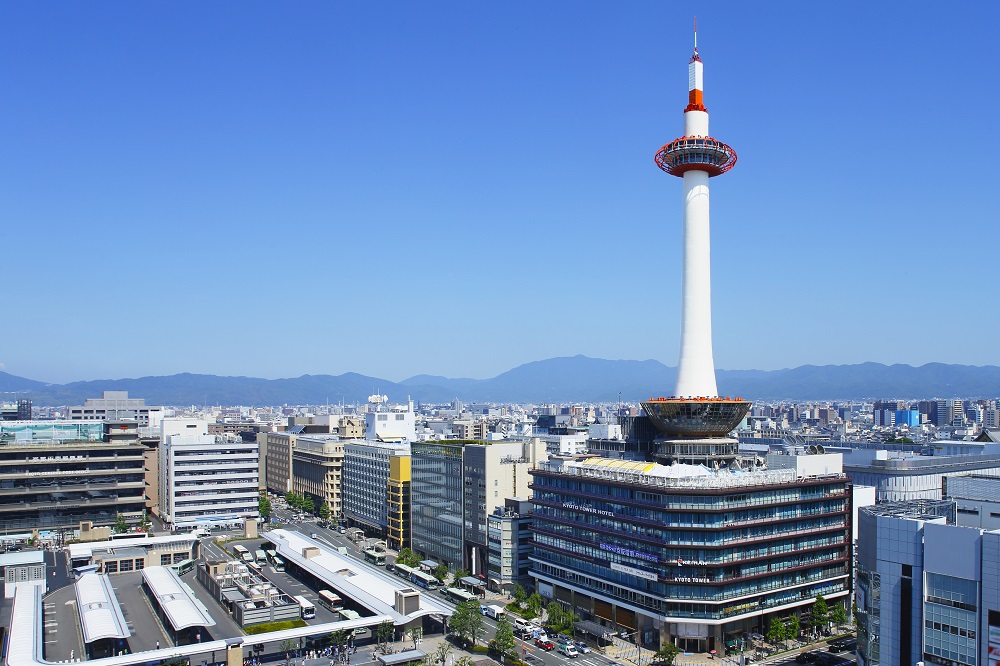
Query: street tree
[339,638]
[384,633]
[503,641]
[440,572]
[287,646]
[461,573]
[792,627]
[324,512]
[120,526]
[838,615]
[776,631]
[307,504]
[519,594]
[819,613]
[444,649]
[467,621]
[415,634]
[666,654]
[264,507]
[535,604]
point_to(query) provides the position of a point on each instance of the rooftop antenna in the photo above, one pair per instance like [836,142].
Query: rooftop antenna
[696,35]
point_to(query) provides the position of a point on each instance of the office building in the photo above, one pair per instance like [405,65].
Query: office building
[510,546]
[206,479]
[117,406]
[56,474]
[307,464]
[366,473]
[686,554]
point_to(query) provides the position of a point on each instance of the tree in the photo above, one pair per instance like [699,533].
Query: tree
[555,611]
[792,627]
[503,641]
[339,638]
[324,512]
[144,522]
[408,558]
[666,654]
[440,572]
[286,646]
[307,504]
[441,653]
[120,526]
[838,615]
[519,594]
[461,573]
[264,507]
[415,634]
[776,631]
[467,621]
[535,604]
[385,632]
[292,499]
[819,612]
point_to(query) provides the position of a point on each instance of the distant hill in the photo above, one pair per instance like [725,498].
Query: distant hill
[565,379]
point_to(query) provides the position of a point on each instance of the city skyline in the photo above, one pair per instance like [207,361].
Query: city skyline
[271,192]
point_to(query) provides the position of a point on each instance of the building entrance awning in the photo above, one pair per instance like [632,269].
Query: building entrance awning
[594,629]
[404,657]
[471,581]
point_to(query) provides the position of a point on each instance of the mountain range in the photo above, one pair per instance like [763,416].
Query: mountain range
[564,379]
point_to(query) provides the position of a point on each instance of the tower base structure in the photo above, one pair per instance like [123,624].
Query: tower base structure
[696,429]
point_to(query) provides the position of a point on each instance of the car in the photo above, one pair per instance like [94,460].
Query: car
[313,535]
[582,647]
[545,644]
[389,566]
[342,529]
[806,657]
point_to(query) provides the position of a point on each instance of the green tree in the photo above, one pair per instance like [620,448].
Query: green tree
[467,621]
[838,615]
[819,612]
[408,558]
[441,653]
[503,641]
[339,637]
[776,631]
[144,522]
[308,505]
[792,627]
[535,604]
[384,633]
[264,507]
[120,526]
[461,573]
[464,661]
[666,654]
[519,594]
[440,572]
[555,613]
[324,512]
[415,634]
[286,646]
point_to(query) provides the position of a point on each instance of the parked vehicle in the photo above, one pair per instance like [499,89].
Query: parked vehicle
[806,657]
[582,647]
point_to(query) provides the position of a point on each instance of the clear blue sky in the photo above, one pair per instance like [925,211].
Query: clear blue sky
[456,188]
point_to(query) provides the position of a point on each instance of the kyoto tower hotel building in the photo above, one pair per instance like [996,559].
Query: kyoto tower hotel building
[696,545]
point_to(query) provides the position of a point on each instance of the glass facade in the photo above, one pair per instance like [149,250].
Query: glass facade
[725,550]
[436,501]
[950,620]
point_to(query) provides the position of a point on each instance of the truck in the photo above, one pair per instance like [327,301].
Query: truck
[495,612]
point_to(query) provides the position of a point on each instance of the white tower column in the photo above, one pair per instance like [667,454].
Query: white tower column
[696,369]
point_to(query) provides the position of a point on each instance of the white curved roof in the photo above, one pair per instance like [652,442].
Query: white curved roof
[100,614]
[178,602]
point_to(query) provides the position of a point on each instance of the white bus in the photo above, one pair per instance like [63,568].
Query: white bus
[460,595]
[330,600]
[243,553]
[308,609]
[183,567]
[278,564]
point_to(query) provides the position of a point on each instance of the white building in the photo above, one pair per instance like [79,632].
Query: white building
[366,482]
[393,423]
[117,406]
[206,479]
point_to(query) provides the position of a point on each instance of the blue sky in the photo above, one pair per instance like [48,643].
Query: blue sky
[457,188]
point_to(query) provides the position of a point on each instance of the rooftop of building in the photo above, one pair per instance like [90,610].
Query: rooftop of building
[917,509]
[672,476]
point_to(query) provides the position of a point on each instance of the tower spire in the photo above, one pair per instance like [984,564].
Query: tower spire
[695,37]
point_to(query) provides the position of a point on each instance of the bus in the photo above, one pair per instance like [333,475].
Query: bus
[278,564]
[183,567]
[375,557]
[424,580]
[270,554]
[308,609]
[330,600]
[242,553]
[460,595]
[259,556]
[403,571]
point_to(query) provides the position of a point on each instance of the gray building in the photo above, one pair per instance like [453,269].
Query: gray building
[899,476]
[366,482]
[510,544]
[436,501]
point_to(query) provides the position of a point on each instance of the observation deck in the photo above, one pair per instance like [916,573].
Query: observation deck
[696,417]
[695,153]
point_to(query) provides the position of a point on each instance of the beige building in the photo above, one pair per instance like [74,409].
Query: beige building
[305,464]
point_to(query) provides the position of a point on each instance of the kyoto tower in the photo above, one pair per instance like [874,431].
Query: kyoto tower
[695,419]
